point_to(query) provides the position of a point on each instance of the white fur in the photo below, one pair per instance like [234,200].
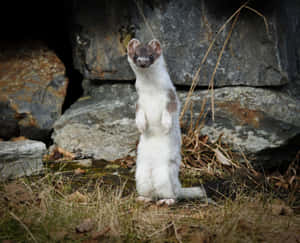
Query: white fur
[158,155]
[140,121]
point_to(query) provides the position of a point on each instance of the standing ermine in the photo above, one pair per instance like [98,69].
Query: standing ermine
[157,119]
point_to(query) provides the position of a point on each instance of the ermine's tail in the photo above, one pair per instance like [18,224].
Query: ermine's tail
[192,192]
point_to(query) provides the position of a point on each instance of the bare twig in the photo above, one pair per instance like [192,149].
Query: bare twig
[211,82]
[261,15]
[178,238]
[196,76]
[161,230]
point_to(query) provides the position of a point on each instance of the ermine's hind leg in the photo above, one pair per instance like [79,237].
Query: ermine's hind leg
[144,185]
[162,183]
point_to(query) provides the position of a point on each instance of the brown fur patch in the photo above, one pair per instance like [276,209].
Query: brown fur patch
[172,103]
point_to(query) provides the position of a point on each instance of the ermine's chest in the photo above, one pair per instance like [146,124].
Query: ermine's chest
[153,105]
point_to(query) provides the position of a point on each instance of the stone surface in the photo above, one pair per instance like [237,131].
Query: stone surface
[288,35]
[263,124]
[32,89]
[102,30]
[20,158]
[100,127]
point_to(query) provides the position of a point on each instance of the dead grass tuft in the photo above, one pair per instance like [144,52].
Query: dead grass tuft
[107,215]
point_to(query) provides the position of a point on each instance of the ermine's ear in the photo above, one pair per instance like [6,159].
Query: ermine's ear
[156,46]
[131,46]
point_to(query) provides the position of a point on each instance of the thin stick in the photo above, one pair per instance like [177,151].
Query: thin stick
[176,233]
[194,81]
[23,225]
[261,15]
[211,82]
[161,230]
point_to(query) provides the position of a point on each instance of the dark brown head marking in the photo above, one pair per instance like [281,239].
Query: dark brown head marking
[144,55]
[172,103]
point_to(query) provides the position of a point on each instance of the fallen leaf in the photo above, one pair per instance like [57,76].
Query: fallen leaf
[279,207]
[79,171]
[281,210]
[15,139]
[221,157]
[98,234]
[66,153]
[86,226]
[77,197]
[282,184]
[204,139]
[60,154]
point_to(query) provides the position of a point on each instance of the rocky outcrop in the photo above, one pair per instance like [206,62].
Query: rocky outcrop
[186,29]
[32,90]
[257,122]
[20,158]
[288,35]
[253,121]
[100,127]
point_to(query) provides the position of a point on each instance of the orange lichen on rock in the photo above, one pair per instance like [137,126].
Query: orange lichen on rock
[243,115]
[33,87]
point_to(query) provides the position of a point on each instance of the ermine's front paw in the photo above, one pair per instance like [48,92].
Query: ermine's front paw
[169,201]
[140,121]
[166,121]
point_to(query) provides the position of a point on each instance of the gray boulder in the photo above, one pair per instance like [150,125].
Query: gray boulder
[263,124]
[102,126]
[32,90]
[102,30]
[255,121]
[21,158]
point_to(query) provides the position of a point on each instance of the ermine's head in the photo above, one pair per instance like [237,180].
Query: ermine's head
[144,55]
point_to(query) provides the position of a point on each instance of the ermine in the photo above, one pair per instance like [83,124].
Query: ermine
[157,119]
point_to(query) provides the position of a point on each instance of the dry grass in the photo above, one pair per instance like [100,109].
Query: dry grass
[50,209]
[54,208]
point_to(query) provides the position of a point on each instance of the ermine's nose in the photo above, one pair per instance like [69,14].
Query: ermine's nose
[143,61]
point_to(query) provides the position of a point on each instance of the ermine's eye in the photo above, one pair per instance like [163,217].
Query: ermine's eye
[135,57]
[151,57]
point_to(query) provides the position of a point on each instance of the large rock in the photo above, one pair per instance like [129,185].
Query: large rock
[32,90]
[288,35]
[102,30]
[20,158]
[259,122]
[263,124]
[101,127]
